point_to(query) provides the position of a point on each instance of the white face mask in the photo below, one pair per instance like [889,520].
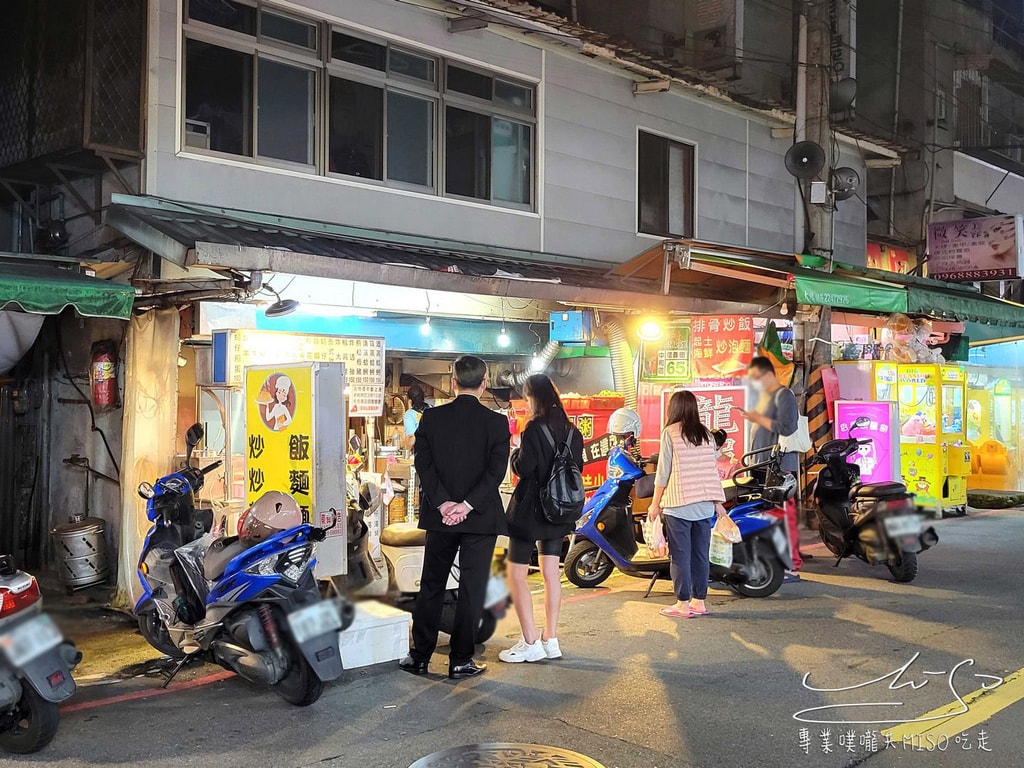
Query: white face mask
[757,385]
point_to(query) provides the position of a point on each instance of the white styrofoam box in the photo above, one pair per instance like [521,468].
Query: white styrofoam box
[378,634]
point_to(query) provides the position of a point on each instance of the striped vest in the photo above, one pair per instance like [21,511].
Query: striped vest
[694,473]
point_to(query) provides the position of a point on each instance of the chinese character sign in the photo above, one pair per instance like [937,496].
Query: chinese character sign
[721,346]
[986,248]
[295,440]
[878,460]
[720,409]
[669,359]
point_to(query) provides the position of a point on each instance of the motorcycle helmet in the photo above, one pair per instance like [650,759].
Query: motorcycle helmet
[272,513]
[624,421]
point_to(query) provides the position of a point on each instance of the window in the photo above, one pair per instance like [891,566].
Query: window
[257,85]
[218,98]
[489,146]
[665,186]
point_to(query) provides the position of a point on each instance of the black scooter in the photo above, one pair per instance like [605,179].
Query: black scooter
[876,522]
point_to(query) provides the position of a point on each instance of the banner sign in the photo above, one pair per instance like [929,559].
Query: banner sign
[879,459]
[721,346]
[595,458]
[971,250]
[719,408]
[669,359]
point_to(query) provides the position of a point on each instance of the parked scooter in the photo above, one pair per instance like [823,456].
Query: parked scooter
[254,610]
[402,545]
[35,664]
[876,522]
[609,534]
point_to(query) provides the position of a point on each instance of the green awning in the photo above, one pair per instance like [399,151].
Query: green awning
[965,307]
[841,293]
[48,291]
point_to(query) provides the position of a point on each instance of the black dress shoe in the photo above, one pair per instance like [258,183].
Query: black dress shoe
[469,669]
[413,667]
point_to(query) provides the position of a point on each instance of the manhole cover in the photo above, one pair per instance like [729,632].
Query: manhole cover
[506,756]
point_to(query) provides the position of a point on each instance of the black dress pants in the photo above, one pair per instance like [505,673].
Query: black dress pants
[475,552]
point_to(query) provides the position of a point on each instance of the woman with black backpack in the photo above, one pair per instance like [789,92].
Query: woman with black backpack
[548,433]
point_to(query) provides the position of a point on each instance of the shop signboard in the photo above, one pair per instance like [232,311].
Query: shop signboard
[719,408]
[722,346]
[971,250]
[295,442]
[668,360]
[595,458]
[236,350]
[879,460]
[887,258]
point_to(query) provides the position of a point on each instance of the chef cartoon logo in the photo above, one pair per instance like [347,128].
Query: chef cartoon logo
[276,402]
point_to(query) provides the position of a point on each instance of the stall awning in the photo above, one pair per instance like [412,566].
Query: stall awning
[966,307]
[867,295]
[48,291]
[192,236]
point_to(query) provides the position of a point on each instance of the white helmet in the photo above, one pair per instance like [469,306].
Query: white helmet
[272,513]
[625,421]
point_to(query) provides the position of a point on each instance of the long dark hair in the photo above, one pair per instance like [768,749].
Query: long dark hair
[682,410]
[547,403]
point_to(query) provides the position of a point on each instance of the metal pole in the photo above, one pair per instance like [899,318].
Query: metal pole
[896,116]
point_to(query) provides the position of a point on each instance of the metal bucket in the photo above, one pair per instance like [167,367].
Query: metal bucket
[82,549]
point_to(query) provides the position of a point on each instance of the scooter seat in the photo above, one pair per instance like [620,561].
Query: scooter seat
[878,491]
[403,535]
[220,553]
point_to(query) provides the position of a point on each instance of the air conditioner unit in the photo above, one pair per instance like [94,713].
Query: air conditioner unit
[197,134]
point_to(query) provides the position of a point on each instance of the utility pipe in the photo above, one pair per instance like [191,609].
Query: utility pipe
[896,116]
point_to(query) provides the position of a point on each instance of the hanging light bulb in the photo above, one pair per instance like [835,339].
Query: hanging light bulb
[649,331]
[425,328]
[503,338]
[784,309]
[536,364]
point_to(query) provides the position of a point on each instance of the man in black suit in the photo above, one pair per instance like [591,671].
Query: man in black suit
[461,457]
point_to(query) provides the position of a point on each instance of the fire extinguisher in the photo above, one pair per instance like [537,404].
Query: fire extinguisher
[103,377]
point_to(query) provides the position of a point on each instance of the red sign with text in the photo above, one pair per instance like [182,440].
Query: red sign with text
[718,410]
[721,345]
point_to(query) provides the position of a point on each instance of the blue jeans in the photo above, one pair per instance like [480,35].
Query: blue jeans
[689,544]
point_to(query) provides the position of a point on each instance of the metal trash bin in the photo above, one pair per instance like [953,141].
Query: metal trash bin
[81,547]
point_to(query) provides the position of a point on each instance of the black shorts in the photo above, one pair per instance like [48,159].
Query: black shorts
[520,550]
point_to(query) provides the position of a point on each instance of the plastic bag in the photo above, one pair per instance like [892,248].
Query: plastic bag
[721,550]
[654,535]
[728,530]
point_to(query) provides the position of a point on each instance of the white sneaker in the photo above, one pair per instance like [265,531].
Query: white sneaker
[551,649]
[523,651]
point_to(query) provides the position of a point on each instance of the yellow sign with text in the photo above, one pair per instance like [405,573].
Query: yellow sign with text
[279,423]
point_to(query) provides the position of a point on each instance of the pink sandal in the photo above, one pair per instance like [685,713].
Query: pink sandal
[672,612]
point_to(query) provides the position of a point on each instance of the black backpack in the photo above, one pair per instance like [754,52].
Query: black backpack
[562,497]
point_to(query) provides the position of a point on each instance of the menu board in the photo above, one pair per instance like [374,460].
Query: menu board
[236,350]
[668,359]
[722,346]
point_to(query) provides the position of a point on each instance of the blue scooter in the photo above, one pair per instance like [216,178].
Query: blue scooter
[609,534]
[256,611]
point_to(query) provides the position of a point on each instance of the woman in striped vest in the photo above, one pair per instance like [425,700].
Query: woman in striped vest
[687,495]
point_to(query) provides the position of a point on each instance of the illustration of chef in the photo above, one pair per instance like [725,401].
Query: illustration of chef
[277,402]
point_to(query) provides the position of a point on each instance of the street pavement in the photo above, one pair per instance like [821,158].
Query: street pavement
[638,690]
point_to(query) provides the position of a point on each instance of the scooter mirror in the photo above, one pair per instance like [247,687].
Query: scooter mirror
[194,435]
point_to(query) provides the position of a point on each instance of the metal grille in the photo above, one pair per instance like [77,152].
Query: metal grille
[41,94]
[115,75]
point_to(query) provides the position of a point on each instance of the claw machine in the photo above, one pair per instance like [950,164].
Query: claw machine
[935,457]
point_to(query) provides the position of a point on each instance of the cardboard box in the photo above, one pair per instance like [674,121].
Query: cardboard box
[380,633]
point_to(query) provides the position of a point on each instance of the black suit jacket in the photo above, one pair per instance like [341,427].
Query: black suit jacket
[462,455]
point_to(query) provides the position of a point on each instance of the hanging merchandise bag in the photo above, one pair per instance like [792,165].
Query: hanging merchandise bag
[728,530]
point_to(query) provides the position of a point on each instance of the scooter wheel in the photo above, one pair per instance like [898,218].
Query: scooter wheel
[155,633]
[35,723]
[904,568]
[768,573]
[586,566]
[488,623]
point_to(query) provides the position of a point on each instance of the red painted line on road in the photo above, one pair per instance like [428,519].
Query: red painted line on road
[595,593]
[135,695]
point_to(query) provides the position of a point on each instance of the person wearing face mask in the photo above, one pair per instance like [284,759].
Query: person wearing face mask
[776,415]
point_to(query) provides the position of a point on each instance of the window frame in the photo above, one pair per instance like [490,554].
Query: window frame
[693,148]
[325,67]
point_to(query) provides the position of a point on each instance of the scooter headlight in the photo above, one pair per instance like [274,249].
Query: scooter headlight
[584,519]
[265,567]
